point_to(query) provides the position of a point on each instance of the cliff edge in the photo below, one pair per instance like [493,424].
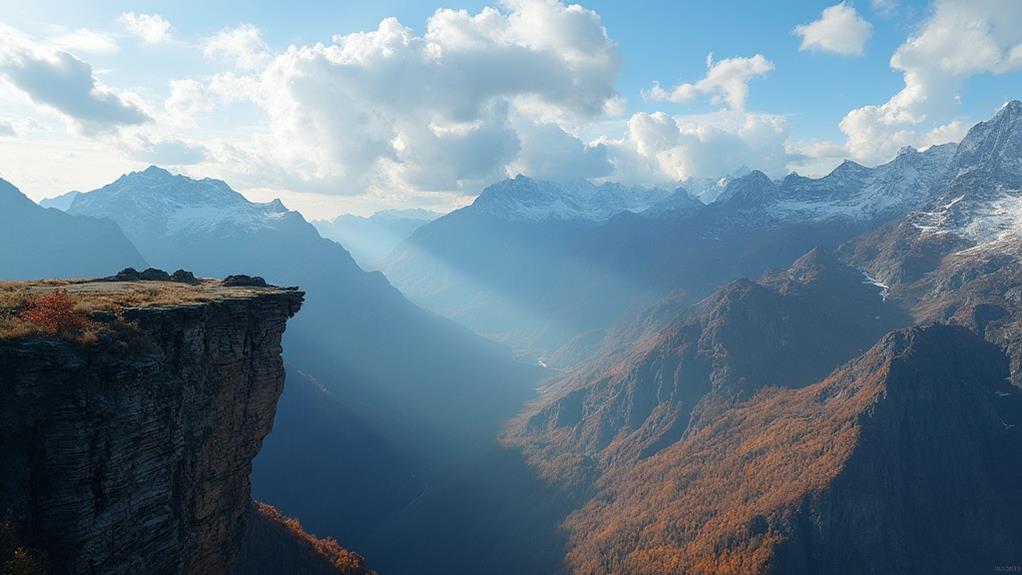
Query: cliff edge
[127,443]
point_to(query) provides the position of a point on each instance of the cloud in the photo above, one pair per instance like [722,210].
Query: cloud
[471,98]
[840,30]
[187,99]
[885,7]
[151,28]
[7,129]
[660,148]
[243,45]
[64,83]
[162,151]
[726,80]
[961,39]
[549,153]
[85,40]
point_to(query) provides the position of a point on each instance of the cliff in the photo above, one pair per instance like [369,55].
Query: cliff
[129,450]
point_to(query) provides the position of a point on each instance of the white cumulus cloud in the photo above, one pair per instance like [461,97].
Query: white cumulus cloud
[661,148]
[961,39]
[840,30]
[151,28]
[726,81]
[187,99]
[472,98]
[59,81]
[243,45]
[85,40]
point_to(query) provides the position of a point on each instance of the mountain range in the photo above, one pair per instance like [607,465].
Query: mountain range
[713,440]
[744,374]
[540,282]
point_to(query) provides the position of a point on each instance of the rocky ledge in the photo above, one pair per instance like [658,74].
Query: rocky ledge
[131,452]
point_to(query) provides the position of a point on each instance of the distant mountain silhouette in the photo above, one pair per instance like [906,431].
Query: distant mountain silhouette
[37,242]
[370,240]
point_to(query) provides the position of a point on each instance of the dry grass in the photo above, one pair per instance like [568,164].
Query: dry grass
[91,298]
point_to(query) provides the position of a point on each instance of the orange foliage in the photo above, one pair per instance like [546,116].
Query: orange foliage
[721,500]
[344,561]
[55,313]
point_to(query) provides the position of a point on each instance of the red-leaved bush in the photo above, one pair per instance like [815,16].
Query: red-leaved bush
[55,313]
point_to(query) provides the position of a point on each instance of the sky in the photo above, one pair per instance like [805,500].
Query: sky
[340,107]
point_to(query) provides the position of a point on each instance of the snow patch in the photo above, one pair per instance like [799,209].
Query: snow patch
[885,290]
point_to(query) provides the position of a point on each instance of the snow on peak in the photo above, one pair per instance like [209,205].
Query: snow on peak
[982,204]
[994,147]
[856,192]
[526,199]
[155,199]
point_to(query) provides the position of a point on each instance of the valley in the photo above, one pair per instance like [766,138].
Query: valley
[534,288]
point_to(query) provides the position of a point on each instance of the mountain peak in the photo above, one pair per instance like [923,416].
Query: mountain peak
[994,146]
[1011,110]
[851,167]
[749,189]
[155,171]
[11,196]
[526,199]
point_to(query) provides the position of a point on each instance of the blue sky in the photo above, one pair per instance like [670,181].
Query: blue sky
[538,90]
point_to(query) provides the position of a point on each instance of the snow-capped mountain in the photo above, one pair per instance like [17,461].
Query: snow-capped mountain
[752,190]
[681,201]
[707,190]
[173,219]
[857,192]
[983,202]
[526,199]
[163,203]
[850,192]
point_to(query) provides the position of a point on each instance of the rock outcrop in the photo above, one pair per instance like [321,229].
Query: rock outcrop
[132,455]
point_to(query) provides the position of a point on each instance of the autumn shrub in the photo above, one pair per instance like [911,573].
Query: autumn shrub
[55,313]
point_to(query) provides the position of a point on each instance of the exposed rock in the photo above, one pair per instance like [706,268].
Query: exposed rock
[241,280]
[153,274]
[184,277]
[133,455]
[126,275]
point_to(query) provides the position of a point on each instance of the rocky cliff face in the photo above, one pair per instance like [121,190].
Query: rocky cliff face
[134,456]
[901,461]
